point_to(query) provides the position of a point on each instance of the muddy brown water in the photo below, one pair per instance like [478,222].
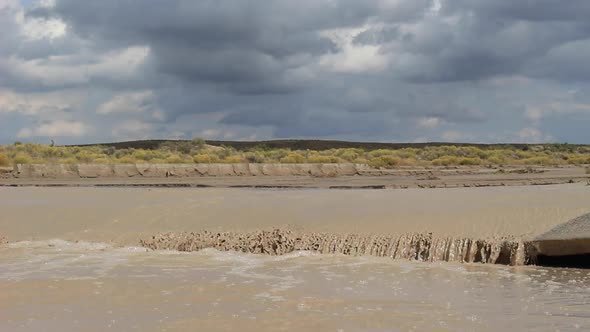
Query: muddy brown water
[74,262]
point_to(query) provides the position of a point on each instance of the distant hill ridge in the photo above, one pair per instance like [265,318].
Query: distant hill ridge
[318,145]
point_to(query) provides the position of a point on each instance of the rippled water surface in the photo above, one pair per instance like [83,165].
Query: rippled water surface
[64,286]
[107,283]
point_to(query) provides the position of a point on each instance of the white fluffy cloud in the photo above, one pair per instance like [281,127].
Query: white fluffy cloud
[132,102]
[59,128]
[352,57]
[429,122]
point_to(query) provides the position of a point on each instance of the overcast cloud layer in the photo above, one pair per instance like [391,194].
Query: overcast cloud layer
[373,70]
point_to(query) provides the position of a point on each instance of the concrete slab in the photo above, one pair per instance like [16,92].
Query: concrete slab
[570,238]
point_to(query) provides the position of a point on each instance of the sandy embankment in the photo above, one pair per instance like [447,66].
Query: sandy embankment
[184,170]
[333,176]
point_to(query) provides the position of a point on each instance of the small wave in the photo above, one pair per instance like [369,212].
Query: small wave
[58,258]
[420,247]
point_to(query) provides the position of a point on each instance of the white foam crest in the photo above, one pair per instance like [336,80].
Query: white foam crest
[251,261]
[59,244]
[295,254]
[59,258]
[233,257]
[247,266]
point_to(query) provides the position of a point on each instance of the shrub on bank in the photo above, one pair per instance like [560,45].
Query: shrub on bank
[204,158]
[198,152]
[470,161]
[361,161]
[4,160]
[254,157]
[496,160]
[409,153]
[349,154]
[22,158]
[445,161]
[293,158]
[175,159]
[379,153]
[541,160]
[69,161]
[578,160]
[385,161]
[317,159]
[233,160]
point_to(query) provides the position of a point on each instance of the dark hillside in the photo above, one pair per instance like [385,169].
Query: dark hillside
[317,145]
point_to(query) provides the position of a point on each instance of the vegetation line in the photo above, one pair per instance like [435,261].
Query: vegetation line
[379,155]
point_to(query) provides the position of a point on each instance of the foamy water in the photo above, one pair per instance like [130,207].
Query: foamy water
[74,262]
[57,285]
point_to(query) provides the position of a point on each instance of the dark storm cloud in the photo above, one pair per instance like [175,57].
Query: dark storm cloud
[225,43]
[480,49]
[230,42]
[567,62]
[283,64]
[377,36]
[477,42]
[270,115]
[538,10]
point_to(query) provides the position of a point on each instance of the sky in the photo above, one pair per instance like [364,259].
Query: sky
[81,71]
